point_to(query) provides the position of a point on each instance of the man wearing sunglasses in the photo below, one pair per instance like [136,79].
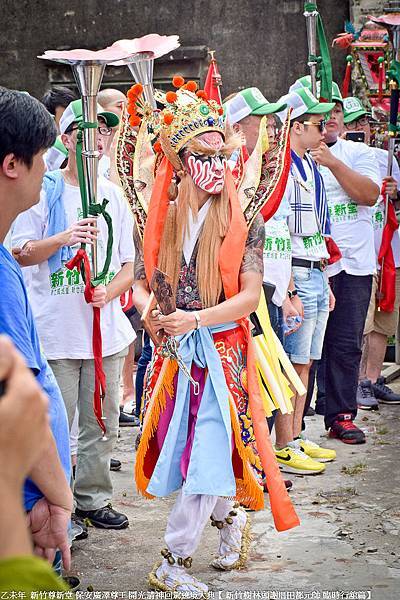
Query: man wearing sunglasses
[308,226]
[49,235]
[352,180]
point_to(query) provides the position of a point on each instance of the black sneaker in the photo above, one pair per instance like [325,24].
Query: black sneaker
[115,465]
[383,393]
[104,518]
[72,582]
[127,420]
[365,396]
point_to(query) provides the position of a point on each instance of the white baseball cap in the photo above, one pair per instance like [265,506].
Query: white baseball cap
[73,114]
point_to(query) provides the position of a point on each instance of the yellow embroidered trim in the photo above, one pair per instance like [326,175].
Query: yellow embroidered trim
[248,490]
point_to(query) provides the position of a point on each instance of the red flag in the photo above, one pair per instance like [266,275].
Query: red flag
[387,287]
[213,81]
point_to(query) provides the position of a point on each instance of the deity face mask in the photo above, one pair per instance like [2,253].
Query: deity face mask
[207,170]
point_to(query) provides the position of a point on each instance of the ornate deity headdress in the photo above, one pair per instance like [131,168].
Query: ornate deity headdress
[186,114]
[149,134]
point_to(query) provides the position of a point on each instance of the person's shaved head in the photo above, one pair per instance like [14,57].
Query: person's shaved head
[112,100]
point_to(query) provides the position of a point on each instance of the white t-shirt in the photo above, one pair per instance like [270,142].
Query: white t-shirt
[307,247]
[278,252]
[351,223]
[104,166]
[63,318]
[378,217]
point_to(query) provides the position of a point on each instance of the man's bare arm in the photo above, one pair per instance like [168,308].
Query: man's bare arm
[48,475]
[361,189]
[35,252]
[121,282]
[140,288]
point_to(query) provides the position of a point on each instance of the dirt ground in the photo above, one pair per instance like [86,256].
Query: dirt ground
[348,539]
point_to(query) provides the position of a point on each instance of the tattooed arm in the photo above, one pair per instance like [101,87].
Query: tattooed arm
[253,254]
[140,286]
[241,305]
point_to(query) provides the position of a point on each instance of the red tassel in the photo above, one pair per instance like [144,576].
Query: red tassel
[347,77]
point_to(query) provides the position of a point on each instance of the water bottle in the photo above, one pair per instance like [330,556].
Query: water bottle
[291,323]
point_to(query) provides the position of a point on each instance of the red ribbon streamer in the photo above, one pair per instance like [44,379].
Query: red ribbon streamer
[387,284]
[81,260]
[156,215]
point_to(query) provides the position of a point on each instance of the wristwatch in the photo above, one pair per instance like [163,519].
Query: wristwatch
[292,293]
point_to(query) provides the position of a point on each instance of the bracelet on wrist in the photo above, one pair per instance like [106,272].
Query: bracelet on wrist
[292,293]
[198,319]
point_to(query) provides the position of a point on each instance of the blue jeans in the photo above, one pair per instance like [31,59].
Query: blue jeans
[306,343]
[143,361]
[342,347]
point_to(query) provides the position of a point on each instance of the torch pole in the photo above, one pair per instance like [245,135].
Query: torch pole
[311,15]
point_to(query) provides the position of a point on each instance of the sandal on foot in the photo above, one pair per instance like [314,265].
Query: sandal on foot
[235,538]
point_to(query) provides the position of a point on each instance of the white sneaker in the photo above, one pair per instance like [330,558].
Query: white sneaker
[130,407]
[173,578]
[234,543]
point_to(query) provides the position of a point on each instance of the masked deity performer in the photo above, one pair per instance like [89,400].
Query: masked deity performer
[208,441]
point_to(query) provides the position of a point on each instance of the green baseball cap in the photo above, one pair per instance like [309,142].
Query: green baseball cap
[305,81]
[73,114]
[353,109]
[302,102]
[249,102]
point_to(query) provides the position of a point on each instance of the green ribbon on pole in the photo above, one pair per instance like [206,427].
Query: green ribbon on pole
[324,73]
[89,207]
[95,210]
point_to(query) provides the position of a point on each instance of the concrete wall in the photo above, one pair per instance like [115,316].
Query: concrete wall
[258,42]
[359,9]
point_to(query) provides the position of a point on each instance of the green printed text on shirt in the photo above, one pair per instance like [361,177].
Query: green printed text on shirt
[343,211]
